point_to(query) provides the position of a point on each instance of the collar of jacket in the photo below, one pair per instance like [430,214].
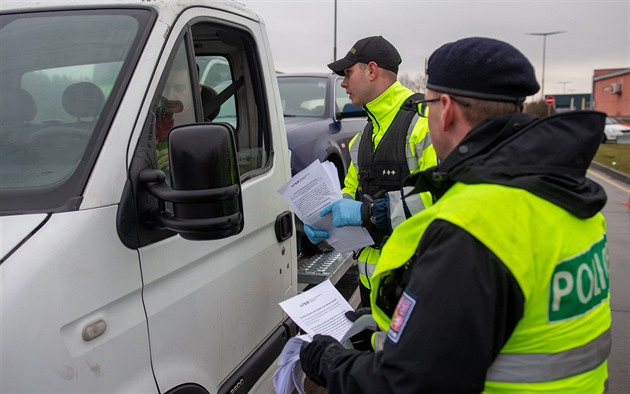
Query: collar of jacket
[383,109]
[547,157]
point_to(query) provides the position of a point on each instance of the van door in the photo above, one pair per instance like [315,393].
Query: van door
[211,304]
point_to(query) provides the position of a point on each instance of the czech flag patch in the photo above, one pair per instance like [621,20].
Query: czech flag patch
[401,316]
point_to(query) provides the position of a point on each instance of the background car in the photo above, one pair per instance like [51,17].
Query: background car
[624,120]
[320,119]
[614,129]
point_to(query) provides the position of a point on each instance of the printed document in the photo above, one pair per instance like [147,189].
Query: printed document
[320,310]
[309,192]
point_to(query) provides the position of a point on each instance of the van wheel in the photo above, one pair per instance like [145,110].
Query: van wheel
[188,388]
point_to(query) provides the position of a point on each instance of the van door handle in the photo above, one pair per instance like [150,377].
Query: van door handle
[284,226]
[94,330]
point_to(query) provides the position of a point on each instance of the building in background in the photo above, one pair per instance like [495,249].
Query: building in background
[611,91]
[573,102]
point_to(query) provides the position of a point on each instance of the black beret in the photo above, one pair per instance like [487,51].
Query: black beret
[482,68]
[369,49]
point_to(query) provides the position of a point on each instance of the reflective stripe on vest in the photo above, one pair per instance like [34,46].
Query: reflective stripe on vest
[412,161]
[354,149]
[545,367]
[401,210]
[420,147]
[366,268]
[366,263]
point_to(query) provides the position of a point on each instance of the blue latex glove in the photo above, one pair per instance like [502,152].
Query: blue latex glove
[345,212]
[315,236]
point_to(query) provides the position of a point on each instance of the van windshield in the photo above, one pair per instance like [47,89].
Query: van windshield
[59,73]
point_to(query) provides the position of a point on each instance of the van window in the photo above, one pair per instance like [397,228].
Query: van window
[220,81]
[175,107]
[215,74]
[56,92]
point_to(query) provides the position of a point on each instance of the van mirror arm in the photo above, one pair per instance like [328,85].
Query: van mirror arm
[155,182]
[198,228]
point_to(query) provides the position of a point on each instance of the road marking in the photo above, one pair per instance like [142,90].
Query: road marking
[615,184]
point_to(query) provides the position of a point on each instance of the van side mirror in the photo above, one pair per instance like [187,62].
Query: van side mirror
[206,189]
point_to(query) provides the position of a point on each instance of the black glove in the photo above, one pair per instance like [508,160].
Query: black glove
[361,340]
[311,357]
[354,315]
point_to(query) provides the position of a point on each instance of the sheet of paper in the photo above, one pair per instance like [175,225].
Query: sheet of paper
[289,375]
[309,191]
[320,310]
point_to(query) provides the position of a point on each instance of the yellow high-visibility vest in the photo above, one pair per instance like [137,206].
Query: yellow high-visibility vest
[560,262]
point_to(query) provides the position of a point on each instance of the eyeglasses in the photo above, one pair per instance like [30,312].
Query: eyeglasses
[422,107]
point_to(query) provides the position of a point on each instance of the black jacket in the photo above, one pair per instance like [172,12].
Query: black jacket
[468,302]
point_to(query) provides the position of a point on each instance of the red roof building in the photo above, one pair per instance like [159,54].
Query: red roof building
[611,91]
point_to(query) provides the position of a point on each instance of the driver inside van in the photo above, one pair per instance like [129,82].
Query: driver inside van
[176,107]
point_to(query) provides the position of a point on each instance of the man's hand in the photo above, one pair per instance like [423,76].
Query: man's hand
[359,336]
[311,357]
[354,315]
[345,212]
[315,236]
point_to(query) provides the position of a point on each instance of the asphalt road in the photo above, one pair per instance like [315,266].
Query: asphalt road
[617,214]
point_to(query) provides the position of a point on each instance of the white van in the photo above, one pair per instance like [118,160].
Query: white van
[144,246]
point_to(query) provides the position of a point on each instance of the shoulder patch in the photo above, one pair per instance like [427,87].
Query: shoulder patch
[401,316]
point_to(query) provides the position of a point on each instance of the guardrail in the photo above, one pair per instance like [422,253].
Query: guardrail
[623,139]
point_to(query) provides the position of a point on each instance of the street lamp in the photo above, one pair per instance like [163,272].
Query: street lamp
[544,35]
[564,86]
[335,35]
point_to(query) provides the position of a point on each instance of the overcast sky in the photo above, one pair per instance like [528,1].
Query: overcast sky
[597,32]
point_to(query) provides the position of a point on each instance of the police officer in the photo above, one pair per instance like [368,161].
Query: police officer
[394,144]
[502,285]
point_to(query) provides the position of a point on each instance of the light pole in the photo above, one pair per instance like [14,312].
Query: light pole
[335,35]
[564,86]
[544,35]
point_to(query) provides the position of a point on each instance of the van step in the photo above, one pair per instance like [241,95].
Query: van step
[317,268]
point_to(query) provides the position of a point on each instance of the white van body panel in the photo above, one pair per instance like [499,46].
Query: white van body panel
[71,273]
[172,312]
[13,229]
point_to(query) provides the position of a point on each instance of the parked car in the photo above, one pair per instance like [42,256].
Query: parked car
[614,129]
[320,119]
[624,120]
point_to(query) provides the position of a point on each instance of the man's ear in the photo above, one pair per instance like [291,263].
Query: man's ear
[447,116]
[372,70]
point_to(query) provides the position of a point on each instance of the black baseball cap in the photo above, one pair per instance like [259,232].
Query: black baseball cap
[369,49]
